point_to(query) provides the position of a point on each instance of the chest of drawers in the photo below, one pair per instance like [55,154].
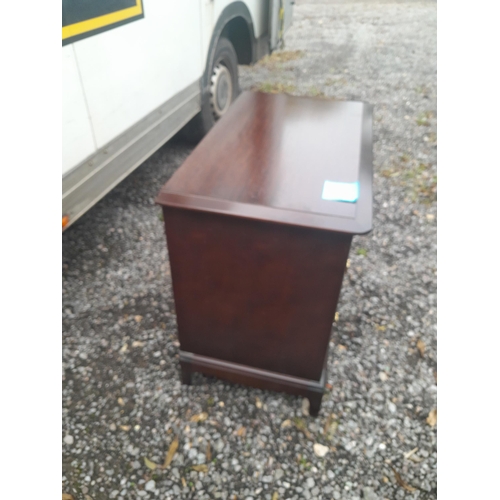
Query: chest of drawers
[259,221]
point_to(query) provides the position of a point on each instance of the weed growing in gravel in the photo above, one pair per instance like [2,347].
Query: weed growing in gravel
[302,461]
[431,138]
[422,90]
[423,119]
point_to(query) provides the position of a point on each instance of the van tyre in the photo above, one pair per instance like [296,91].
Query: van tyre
[220,90]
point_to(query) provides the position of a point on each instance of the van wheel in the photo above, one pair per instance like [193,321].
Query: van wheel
[221,90]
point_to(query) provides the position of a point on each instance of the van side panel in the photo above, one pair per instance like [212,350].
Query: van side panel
[77,140]
[129,71]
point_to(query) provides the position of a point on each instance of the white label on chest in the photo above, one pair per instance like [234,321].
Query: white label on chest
[341,191]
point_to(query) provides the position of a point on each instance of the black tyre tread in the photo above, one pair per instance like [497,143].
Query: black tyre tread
[199,126]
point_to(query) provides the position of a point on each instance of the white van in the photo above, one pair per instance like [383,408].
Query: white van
[136,71]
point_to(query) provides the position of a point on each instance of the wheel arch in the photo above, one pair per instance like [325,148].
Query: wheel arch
[234,23]
[237,31]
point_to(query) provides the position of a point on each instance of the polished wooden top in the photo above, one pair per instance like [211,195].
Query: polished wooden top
[269,158]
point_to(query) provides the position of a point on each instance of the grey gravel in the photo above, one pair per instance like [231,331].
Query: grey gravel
[119,325]
[310,482]
[369,494]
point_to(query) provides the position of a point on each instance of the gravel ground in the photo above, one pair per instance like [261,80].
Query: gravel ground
[122,399]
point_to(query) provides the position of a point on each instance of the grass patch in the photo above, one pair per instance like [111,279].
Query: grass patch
[315,92]
[362,251]
[339,80]
[417,178]
[275,88]
[278,58]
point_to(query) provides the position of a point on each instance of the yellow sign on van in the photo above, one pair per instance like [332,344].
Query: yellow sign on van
[84,18]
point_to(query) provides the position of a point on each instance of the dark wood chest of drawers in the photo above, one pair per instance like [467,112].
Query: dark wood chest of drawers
[259,222]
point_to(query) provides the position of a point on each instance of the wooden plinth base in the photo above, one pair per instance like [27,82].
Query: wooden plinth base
[255,377]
